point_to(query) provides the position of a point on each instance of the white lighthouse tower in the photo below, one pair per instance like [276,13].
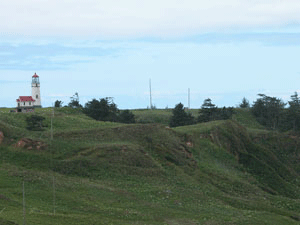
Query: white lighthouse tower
[35,90]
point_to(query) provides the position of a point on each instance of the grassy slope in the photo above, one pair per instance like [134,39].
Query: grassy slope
[109,173]
[153,116]
[161,116]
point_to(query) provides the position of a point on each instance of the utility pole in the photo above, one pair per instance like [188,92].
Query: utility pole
[150,94]
[189,97]
[51,124]
[54,195]
[53,178]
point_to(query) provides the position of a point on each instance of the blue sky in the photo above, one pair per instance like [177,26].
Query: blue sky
[225,50]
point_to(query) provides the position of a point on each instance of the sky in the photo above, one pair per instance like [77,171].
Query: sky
[223,50]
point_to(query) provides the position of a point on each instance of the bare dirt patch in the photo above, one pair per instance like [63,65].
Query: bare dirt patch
[31,144]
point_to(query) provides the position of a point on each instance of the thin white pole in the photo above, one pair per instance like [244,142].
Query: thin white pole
[2,210]
[150,94]
[189,97]
[24,206]
[54,195]
[53,178]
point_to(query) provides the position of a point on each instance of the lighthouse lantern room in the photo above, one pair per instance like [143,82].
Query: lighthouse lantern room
[35,79]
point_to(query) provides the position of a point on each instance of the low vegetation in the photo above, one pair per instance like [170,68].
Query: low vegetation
[234,171]
[35,122]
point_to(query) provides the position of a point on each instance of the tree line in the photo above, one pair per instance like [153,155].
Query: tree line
[269,111]
[273,113]
[208,112]
[103,109]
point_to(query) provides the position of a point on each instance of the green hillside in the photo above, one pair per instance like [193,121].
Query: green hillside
[221,172]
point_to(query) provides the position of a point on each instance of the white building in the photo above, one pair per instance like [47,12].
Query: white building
[28,103]
[25,104]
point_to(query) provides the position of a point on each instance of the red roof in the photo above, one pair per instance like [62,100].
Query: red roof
[35,75]
[25,99]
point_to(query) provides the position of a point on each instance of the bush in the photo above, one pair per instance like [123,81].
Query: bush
[104,109]
[126,117]
[35,123]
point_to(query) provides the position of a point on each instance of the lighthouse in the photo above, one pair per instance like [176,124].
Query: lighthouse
[35,90]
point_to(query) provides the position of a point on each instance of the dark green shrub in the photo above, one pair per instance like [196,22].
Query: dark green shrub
[35,122]
[126,117]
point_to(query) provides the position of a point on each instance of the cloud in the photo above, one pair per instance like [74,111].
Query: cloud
[265,38]
[6,82]
[48,56]
[135,18]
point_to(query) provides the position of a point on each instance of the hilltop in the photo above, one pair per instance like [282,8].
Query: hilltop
[219,172]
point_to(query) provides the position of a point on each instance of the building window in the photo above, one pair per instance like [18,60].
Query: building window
[24,103]
[18,104]
[37,96]
[29,103]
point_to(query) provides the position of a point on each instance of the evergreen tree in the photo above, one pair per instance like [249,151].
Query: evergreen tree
[269,111]
[224,113]
[293,113]
[104,109]
[180,117]
[58,104]
[245,103]
[207,111]
[210,112]
[74,103]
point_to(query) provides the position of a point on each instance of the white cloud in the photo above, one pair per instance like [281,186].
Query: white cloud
[135,18]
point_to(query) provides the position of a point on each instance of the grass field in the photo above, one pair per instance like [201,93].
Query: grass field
[221,172]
